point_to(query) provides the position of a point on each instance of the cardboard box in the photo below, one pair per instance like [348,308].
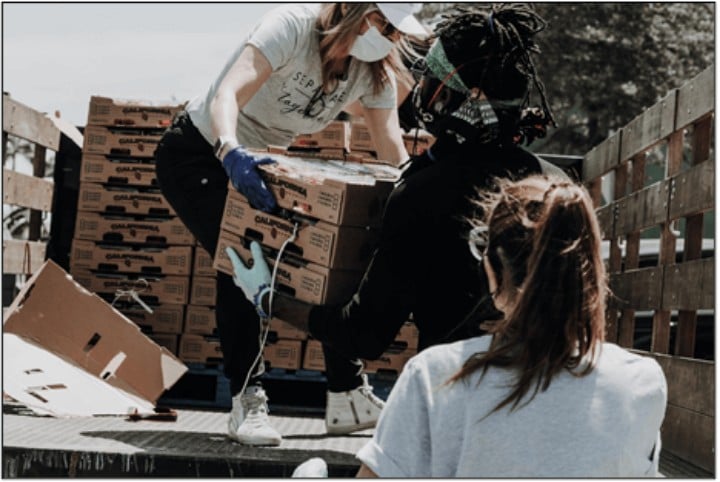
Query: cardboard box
[199,349]
[339,247]
[314,358]
[285,354]
[132,229]
[203,291]
[121,142]
[408,336]
[348,194]
[66,352]
[172,260]
[101,169]
[203,263]
[152,289]
[360,138]
[168,340]
[114,200]
[336,135]
[304,153]
[389,362]
[164,318]
[296,277]
[200,320]
[105,111]
[285,330]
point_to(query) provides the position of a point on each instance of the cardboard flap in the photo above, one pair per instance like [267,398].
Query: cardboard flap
[50,385]
[73,324]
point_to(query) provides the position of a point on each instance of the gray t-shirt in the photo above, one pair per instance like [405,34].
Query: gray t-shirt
[605,424]
[277,112]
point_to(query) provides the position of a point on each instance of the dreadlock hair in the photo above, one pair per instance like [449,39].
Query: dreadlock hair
[492,49]
[543,244]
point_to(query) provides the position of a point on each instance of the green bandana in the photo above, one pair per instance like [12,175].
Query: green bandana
[438,63]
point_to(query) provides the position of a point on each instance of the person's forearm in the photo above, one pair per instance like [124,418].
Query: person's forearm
[290,310]
[223,114]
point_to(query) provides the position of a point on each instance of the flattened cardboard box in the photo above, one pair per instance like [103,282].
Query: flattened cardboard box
[96,198]
[300,279]
[132,229]
[62,343]
[106,111]
[171,260]
[151,289]
[120,142]
[339,247]
[337,192]
[101,169]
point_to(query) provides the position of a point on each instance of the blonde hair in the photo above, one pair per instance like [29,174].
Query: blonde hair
[338,32]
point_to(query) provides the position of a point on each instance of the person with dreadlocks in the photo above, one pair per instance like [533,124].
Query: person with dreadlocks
[473,86]
[542,395]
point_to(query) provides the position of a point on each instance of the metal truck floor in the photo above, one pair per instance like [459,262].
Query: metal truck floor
[194,445]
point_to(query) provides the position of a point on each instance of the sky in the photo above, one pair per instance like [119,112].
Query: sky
[55,56]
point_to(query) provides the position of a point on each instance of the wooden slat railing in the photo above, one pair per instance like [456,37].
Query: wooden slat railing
[680,127]
[24,256]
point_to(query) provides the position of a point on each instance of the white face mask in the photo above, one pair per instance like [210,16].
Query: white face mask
[371,46]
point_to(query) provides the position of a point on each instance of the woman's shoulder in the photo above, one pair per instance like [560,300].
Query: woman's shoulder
[637,370]
[451,355]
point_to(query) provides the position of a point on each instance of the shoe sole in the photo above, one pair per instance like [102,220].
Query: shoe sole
[256,442]
[347,429]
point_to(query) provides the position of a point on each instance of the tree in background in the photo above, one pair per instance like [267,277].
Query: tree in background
[604,63]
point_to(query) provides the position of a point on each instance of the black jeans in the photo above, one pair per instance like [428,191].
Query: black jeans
[195,184]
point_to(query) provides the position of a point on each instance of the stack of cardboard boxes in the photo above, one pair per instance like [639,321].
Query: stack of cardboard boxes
[128,244]
[351,141]
[334,208]
[362,148]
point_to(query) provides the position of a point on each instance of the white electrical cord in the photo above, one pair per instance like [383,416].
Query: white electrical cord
[265,322]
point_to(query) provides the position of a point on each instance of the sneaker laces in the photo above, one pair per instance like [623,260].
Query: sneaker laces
[256,408]
[367,390]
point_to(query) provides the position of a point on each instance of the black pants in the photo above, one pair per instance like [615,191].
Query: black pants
[195,184]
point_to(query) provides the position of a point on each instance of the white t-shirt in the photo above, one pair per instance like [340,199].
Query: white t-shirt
[605,424]
[276,113]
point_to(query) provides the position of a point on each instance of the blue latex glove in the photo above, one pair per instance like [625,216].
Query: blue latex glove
[241,168]
[255,281]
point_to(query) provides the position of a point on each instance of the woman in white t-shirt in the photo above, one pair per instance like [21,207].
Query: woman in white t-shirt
[295,72]
[542,395]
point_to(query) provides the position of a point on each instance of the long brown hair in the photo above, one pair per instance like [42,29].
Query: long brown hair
[338,32]
[543,244]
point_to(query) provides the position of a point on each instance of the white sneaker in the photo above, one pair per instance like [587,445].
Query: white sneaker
[354,410]
[249,423]
[314,468]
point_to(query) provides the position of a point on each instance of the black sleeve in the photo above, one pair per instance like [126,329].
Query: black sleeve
[366,325]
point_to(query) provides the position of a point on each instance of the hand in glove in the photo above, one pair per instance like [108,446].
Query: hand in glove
[241,168]
[255,281]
